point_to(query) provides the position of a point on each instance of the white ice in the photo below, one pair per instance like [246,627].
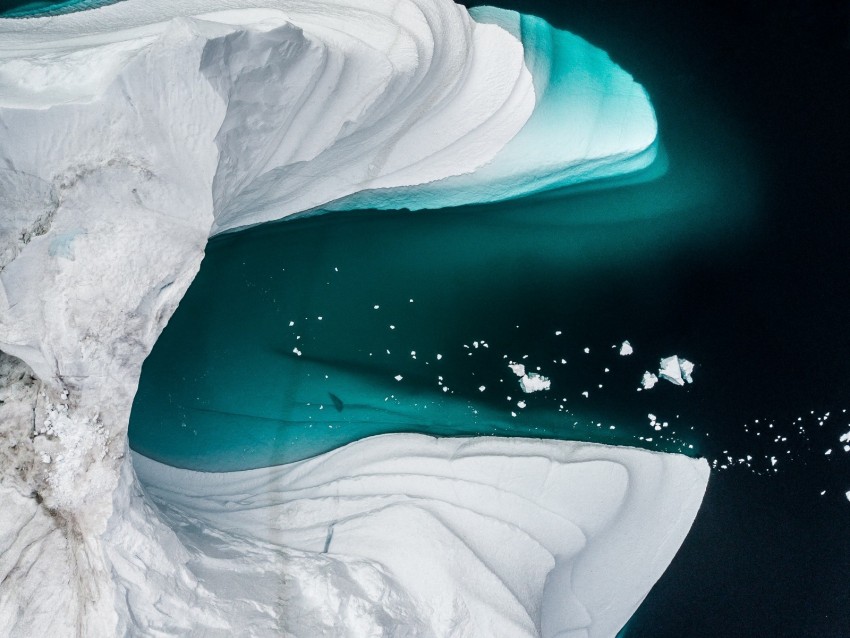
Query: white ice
[131,133]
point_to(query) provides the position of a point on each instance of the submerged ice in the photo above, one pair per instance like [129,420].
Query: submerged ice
[132,133]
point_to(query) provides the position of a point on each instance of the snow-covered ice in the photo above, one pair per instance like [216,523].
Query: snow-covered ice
[129,135]
[649,380]
[676,370]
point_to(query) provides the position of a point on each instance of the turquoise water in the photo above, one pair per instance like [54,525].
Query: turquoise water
[15,9]
[278,351]
[223,388]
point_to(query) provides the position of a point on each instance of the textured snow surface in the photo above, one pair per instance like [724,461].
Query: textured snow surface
[130,134]
[445,537]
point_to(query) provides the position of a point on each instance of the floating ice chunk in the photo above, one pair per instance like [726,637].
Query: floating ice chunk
[649,380]
[533,382]
[676,370]
[847,494]
[398,377]
[517,368]
[296,351]
[520,404]
[845,438]
[687,367]
[481,388]
[626,349]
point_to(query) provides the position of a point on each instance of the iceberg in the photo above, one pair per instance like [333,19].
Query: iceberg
[675,370]
[130,134]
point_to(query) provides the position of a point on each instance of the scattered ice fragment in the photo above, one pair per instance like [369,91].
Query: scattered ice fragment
[533,382]
[291,323]
[828,452]
[587,351]
[847,494]
[398,377]
[517,368]
[520,404]
[557,333]
[376,306]
[676,370]
[439,356]
[481,388]
[392,327]
[296,351]
[626,349]
[772,461]
[585,394]
[823,492]
[847,448]
[649,380]
[845,438]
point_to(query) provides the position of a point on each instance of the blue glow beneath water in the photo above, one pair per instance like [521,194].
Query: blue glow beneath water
[48,8]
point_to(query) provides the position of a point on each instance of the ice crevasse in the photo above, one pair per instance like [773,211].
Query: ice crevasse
[129,135]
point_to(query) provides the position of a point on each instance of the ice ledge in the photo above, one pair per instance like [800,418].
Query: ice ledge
[473,536]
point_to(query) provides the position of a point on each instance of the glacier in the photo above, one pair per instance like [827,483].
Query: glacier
[130,134]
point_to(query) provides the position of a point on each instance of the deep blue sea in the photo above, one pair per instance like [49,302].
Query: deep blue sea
[290,340]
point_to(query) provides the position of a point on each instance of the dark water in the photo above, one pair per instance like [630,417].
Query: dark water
[736,259]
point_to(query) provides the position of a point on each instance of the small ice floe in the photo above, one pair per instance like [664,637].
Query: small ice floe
[481,388]
[530,382]
[649,380]
[533,382]
[398,377]
[296,351]
[676,370]
[520,404]
[517,368]
[585,394]
[845,438]
[847,494]
[587,351]
[626,349]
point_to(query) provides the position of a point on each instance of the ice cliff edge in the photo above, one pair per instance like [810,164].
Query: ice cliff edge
[131,133]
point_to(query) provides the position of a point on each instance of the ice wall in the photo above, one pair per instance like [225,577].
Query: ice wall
[128,135]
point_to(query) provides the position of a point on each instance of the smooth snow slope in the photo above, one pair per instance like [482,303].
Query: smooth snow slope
[130,134]
[460,537]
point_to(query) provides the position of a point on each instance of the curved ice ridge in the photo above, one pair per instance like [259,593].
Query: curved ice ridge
[128,135]
[433,537]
